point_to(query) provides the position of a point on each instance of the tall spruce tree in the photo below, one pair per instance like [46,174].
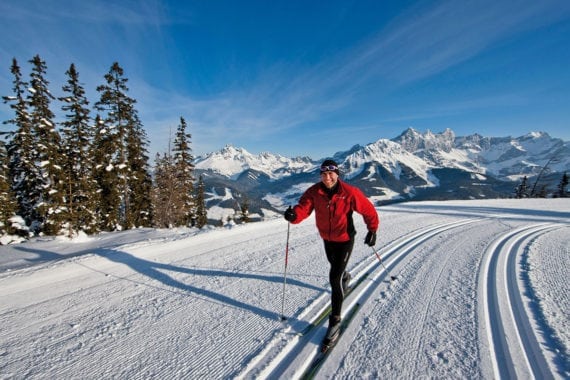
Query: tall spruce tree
[112,179]
[119,135]
[78,138]
[25,178]
[104,149]
[139,181]
[8,204]
[48,157]
[184,168]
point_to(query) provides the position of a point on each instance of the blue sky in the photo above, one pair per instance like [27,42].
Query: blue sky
[307,77]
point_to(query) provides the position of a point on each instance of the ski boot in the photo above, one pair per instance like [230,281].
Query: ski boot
[332,333]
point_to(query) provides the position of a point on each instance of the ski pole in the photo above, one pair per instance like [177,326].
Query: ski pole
[283,318]
[392,278]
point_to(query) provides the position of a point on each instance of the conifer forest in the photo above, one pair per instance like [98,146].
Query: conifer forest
[87,170]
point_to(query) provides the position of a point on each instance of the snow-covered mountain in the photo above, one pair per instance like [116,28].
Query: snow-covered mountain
[413,165]
[232,162]
[506,158]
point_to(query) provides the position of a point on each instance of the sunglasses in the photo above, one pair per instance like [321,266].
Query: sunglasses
[328,168]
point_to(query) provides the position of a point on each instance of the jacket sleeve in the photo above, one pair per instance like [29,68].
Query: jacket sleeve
[363,206]
[305,207]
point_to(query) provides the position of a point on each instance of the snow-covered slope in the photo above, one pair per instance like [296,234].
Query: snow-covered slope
[482,291]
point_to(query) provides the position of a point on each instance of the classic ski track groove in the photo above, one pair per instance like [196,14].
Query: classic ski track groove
[507,325]
[401,251]
[283,363]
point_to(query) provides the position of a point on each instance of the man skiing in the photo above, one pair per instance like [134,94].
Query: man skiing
[334,202]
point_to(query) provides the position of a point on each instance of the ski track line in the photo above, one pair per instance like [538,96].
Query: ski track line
[424,260]
[320,303]
[532,276]
[527,340]
[294,346]
[401,250]
[508,331]
[408,245]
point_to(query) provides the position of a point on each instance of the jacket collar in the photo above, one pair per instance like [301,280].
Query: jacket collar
[337,189]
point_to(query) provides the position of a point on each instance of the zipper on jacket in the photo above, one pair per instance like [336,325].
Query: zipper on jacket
[331,206]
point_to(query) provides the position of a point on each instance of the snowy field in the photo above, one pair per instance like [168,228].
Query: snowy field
[482,291]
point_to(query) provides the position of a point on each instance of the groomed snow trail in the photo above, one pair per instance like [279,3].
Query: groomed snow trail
[514,349]
[196,305]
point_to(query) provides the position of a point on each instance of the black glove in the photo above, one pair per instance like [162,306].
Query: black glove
[290,215]
[370,238]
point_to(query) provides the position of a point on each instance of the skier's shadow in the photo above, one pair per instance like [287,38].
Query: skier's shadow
[156,271]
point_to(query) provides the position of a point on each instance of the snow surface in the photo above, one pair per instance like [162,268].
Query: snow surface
[482,291]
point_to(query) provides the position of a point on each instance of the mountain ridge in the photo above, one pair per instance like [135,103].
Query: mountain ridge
[413,165]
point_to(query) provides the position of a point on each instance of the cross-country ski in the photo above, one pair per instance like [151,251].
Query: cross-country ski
[327,345]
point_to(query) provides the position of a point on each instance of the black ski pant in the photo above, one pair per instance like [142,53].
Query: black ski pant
[338,255]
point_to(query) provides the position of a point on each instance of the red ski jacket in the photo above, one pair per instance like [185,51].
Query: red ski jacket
[334,214]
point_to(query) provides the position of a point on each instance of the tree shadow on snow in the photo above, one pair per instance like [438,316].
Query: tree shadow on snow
[43,256]
[156,271]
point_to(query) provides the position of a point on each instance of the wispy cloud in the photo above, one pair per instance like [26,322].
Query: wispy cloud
[91,34]
[421,42]
[152,12]
[425,41]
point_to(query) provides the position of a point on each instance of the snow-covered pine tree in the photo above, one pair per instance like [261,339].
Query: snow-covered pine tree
[112,177]
[104,148]
[139,181]
[48,157]
[8,204]
[77,132]
[122,132]
[184,167]
[23,173]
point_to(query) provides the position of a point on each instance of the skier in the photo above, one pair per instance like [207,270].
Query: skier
[334,202]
